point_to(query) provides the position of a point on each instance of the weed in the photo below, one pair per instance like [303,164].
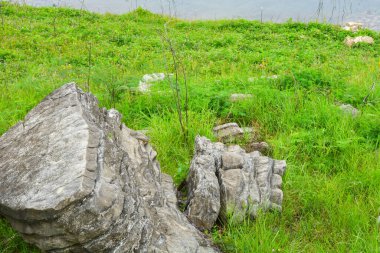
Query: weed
[331,192]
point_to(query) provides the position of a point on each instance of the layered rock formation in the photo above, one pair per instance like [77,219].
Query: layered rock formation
[228,132]
[227,180]
[75,179]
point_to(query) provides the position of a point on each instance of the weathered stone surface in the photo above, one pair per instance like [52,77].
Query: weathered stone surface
[75,179]
[232,160]
[353,26]
[360,39]
[349,109]
[204,193]
[228,132]
[247,181]
[262,147]
[240,97]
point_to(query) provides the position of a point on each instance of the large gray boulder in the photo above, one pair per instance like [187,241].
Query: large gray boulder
[246,182]
[75,179]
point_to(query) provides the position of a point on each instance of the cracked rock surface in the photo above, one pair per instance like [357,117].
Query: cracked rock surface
[228,132]
[75,179]
[226,180]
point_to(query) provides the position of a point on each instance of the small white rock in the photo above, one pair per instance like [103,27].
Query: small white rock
[353,26]
[349,109]
[240,97]
[361,39]
[153,77]
[144,87]
[273,77]
[148,80]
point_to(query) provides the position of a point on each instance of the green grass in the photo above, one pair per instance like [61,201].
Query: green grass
[331,187]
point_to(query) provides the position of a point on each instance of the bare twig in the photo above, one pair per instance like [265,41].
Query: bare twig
[55,23]
[82,7]
[186,96]
[179,70]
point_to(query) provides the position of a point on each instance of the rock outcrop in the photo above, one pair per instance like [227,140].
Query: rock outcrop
[74,178]
[227,180]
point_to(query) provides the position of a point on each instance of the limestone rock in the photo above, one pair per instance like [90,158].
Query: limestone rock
[204,193]
[148,80]
[349,109]
[240,97]
[262,147]
[232,160]
[360,39]
[353,26]
[247,182]
[74,178]
[228,132]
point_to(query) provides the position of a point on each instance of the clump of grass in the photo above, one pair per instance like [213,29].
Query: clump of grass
[10,241]
[331,185]
[169,141]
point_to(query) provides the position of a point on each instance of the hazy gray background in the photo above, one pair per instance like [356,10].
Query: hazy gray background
[334,11]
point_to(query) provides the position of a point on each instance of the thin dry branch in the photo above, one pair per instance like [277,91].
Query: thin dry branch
[179,70]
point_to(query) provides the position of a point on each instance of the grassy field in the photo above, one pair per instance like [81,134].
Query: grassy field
[332,184]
